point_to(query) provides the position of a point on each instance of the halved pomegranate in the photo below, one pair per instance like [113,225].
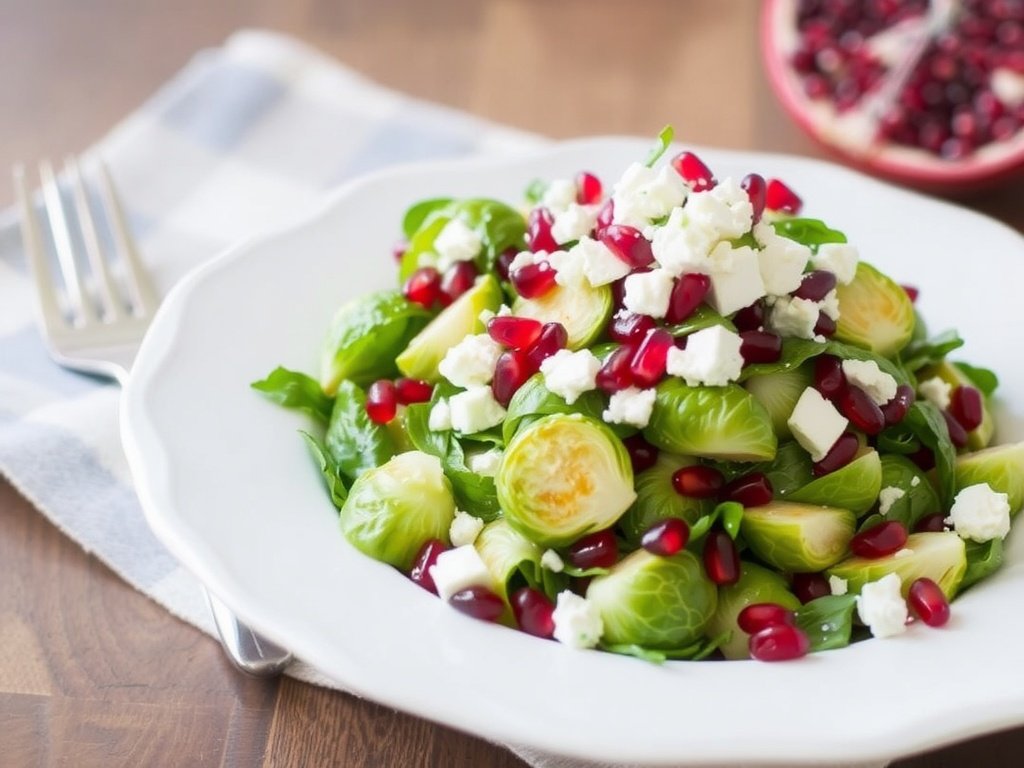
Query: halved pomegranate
[927,92]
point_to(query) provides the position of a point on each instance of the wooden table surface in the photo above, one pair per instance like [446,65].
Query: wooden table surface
[93,673]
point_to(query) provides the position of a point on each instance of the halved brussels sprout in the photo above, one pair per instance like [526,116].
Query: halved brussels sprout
[583,310]
[854,487]
[756,585]
[980,436]
[1002,467]
[656,498]
[940,556]
[653,601]
[798,537]
[714,422]
[563,476]
[506,551]
[778,393]
[392,509]
[419,360]
[365,336]
[874,312]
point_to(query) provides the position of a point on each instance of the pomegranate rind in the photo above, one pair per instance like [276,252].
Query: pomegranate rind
[1002,467]
[854,487]
[939,556]
[851,139]
[797,537]
[756,585]
[875,313]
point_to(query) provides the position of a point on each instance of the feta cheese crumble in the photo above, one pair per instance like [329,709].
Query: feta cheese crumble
[456,242]
[837,585]
[793,317]
[475,410]
[631,405]
[980,513]
[712,357]
[570,374]
[735,278]
[559,195]
[935,391]
[816,424]
[574,222]
[725,208]
[485,463]
[838,258]
[526,259]
[648,293]
[600,265]
[681,247]
[643,194]
[440,417]
[552,561]
[464,529]
[568,267]
[876,383]
[470,363]
[577,622]
[459,568]
[781,260]
[881,606]
[887,497]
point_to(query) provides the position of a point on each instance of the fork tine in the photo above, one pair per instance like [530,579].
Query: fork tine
[53,316]
[82,313]
[105,287]
[138,278]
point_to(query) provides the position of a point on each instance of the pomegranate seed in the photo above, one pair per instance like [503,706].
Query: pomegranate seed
[693,171]
[810,586]
[553,337]
[861,410]
[896,409]
[648,364]
[667,537]
[838,456]
[588,188]
[755,186]
[605,216]
[595,550]
[760,347]
[534,612]
[698,481]
[825,325]
[504,261]
[398,249]
[923,458]
[381,401]
[933,523]
[511,371]
[750,318]
[478,602]
[629,328]
[967,407]
[779,197]
[779,642]
[751,490]
[423,287]
[425,558]
[533,280]
[615,375]
[628,244]
[538,231]
[815,285]
[758,616]
[879,540]
[642,455]
[829,378]
[928,602]
[687,294]
[721,560]
[514,332]
[409,391]
[458,279]
[957,434]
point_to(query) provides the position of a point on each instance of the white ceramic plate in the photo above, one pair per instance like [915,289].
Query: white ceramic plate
[228,486]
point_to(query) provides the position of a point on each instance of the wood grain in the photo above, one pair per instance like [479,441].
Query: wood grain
[93,673]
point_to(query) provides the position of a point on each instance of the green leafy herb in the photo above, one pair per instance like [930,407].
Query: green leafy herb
[827,621]
[982,378]
[917,500]
[930,351]
[660,146]
[982,561]
[535,191]
[795,352]
[417,214]
[579,573]
[292,389]
[790,470]
[354,442]
[702,317]
[928,423]
[328,469]
[810,232]
[898,439]
[731,514]
[535,399]
[850,352]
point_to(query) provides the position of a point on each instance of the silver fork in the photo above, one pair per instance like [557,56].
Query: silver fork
[94,318]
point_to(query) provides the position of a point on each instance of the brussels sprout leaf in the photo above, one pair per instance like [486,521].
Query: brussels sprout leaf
[898,439]
[579,573]
[660,146]
[790,469]
[353,441]
[292,389]
[328,468]
[982,561]
[982,378]
[535,399]
[811,232]
[694,652]
[827,621]
[702,317]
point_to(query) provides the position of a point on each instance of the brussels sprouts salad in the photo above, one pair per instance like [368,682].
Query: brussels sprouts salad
[665,415]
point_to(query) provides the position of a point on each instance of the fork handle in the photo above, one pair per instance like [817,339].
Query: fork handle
[248,651]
